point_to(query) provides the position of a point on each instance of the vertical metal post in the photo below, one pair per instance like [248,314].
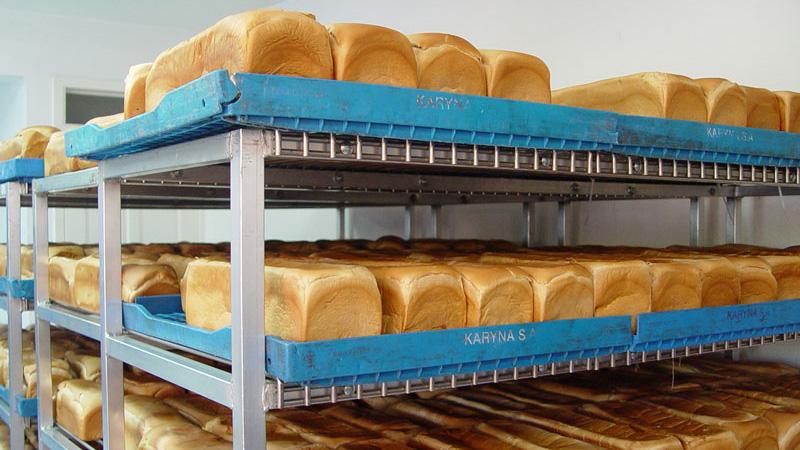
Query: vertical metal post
[247,288]
[42,295]
[695,220]
[110,215]
[436,220]
[408,222]
[529,221]
[563,222]
[14,382]
[341,230]
[733,219]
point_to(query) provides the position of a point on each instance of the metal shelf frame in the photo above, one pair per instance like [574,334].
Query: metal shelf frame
[12,193]
[332,171]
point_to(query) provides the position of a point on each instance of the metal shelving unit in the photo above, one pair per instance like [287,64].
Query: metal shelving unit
[322,168]
[15,294]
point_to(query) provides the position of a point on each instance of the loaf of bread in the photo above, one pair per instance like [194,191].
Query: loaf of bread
[79,409]
[59,371]
[520,435]
[726,102]
[145,384]
[86,366]
[29,142]
[371,444]
[652,94]
[453,438]
[61,274]
[135,81]
[693,434]
[430,413]
[156,249]
[790,110]
[372,54]
[675,285]
[756,279]
[396,428]
[516,76]
[139,407]
[496,295]
[177,262]
[55,159]
[560,290]
[319,429]
[418,297]
[763,108]
[448,63]
[138,279]
[165,438]
[750,430]
[303,300]
[786,270]
[198,410]
[193,249]
[786,420]
[719,279]
[621,287]
[259,41]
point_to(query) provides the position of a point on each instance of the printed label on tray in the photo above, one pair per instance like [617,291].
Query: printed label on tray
[498,336]
[443,103]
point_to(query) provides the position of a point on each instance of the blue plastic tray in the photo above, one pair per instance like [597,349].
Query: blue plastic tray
[26,407]
[16,288]
[400,356]
[216,103]
[21,169]
[677,329]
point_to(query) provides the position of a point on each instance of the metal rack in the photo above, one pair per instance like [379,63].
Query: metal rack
[15,295]
[340,169]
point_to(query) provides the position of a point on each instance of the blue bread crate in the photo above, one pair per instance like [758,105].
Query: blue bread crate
[677,329]
[16,288]
[216,103]
[395,357]
[26,407]
[21,169]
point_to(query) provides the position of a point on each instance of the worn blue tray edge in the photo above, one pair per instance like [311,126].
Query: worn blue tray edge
[681,139]
[26,407]
[21,169]
[17,288]
[187,113]
[396,357]
[676,329]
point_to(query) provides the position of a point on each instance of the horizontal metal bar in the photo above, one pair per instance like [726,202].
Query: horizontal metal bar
[70,181]
[210,382]
[82,323]
[201,152]
[55,438]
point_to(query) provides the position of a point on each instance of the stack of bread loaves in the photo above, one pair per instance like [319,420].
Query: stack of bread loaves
[703,403]
[669,96]
[337,289]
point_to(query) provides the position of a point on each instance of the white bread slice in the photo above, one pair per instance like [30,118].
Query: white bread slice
[496,295]
[726,102]
[448,63]
[652,94]
[266,41]
[372,54]
[516,76]
[135,81]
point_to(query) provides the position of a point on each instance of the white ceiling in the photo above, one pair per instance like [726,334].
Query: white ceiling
[182,14]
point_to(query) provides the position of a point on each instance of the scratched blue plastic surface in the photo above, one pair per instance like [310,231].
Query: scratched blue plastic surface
[399,356]
[16,288]
[677,329]
[216,103]
[25,406]
[21,169]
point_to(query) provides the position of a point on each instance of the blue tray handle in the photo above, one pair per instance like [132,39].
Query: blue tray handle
[21,169]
